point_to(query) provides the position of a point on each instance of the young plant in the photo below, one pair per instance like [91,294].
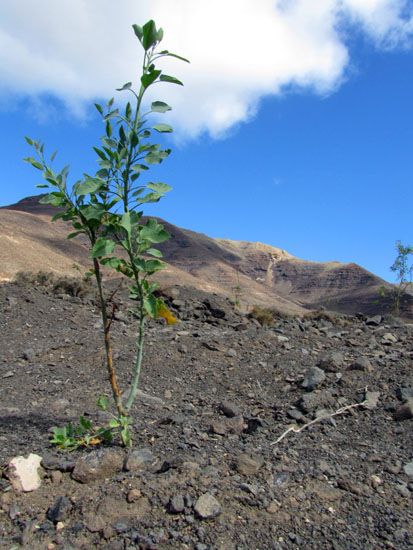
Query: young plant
[404,273]
[107,206]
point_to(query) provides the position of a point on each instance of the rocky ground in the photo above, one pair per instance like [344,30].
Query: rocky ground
[219,389]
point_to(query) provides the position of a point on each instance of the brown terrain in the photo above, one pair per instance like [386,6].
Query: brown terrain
[249,273]
[210,468]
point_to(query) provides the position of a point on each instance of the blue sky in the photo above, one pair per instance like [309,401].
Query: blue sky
[312,156]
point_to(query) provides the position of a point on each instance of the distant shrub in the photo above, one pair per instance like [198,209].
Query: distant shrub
[265,316]
[72,286]
[42,278]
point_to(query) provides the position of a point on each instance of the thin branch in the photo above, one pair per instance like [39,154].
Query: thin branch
[297,430]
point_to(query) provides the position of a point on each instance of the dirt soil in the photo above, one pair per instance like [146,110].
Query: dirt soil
[219,389]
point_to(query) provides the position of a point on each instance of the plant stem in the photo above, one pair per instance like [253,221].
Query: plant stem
[117,394]
[138,361]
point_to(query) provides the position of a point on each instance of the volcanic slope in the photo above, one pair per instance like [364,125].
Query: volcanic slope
[249,273]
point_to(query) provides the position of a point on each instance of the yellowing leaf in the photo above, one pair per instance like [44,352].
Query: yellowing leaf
[164,312]
[95,441]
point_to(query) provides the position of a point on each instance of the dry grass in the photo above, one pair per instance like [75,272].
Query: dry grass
[57,284]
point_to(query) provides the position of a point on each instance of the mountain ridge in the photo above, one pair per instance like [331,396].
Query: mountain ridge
[250,273]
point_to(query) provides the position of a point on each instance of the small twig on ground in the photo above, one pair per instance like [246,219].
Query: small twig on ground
[297,430]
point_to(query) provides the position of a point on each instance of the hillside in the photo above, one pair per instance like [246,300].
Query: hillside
[251,273]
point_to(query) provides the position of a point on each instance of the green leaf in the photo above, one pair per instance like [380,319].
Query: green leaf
[85,423]
[74,234]
[150,197]
[154,232]
[34,163]
[100,153]
[113,423]
[138,31]
[151,266]
[171,79]
[170,54]
[53,156]
[54,199]
[150,35]
[163,128]
[102,247]
[154,252]
[128,111]
[160,107]
[87,187]
[125,222]
[159,187]
[126,437]
[126,86]
[159,35]
[111,114]
[42,185]
[150,306]
[29,140]
[93,211]
[156,157]
[148,78]
[99,108]
[139,167]
[60,215]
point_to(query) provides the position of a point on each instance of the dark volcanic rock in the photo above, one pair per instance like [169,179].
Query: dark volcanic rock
[59,510]
[98,465]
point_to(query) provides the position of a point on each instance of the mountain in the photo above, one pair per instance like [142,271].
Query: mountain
[250,273]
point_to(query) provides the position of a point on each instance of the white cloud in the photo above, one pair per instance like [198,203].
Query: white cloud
[240,50]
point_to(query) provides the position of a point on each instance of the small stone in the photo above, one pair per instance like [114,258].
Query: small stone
[97,465]
[405,393]
[295,414]
[248,465]
[363,364]
[139,459]
[23,473]
[248,488]
[388,338]
[149,399]
[393,468]
[229,409]
[59,510]
[231,352]
[331,362]
[371,399]
[167,394]
[133,495]
[59,405]
[376,481]
[408,469]
[374,321]
[53,462]
[226,426]
[177,504]
[315,400]
[403,490]
[207,507]
[28,355]
[313,378]
[354,487]
[56,477]
[404,412]
[273,507]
